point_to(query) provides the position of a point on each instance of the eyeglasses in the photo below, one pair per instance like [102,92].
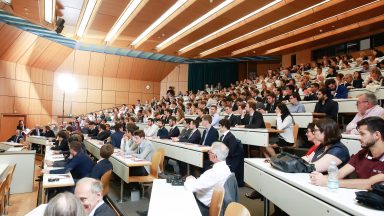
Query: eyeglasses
[359,102]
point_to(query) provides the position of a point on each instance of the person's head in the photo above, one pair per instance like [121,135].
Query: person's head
[315,87]
[131,128]
[150,122]
[194,124]
[327,131]
[102,127]
[331,84]
[365,65]
[61,135]
[106,151]
[218,152]
[322,94]
[213,109]
[357,75]
[206,121]
[375,73]
[311,132]
[224,125]
[187,123]
[160,123]
[228,109]
[76,137]
[271,97]
[21,122]
[250,106]
[138,136]
[65,204]
[348,78]
[172,121]
[331,70]
[294,98]
[90,193]
[18,132]
[371,131]
[283,109]
[118,127]
[47,128]
[365,101]
[74,147]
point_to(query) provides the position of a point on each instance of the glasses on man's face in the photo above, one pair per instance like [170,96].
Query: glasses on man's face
[360,102]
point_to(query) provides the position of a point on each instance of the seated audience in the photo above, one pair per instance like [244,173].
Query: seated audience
[173,129]
[336,91]
[117,136]
[368,163]
[296,106]
[93,130]
[271,104]
[311,138]
[162,133]
[217,175]
[47,132]
[210,133]
[103,165]
[90,193]
[103,133]
[375,77]
[37,131]
[252,119]
[145,151]
[215,116]
[151,129]
[367,106]
[61,143]
[17,137]
[357,80]
[194,135]
[128,146]
[65,204]
[233,119]
[326,105]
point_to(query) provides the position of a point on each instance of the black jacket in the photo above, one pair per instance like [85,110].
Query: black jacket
[256,121]
[209,138]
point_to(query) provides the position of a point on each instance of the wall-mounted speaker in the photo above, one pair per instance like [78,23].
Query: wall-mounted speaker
[59,25]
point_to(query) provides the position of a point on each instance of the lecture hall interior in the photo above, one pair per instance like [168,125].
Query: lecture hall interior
[191,107]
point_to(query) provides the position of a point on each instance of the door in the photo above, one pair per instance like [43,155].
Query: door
[8,124]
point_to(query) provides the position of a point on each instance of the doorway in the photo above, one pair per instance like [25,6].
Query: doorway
[8,124]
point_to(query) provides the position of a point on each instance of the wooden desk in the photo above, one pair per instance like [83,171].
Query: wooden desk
[296,196]
[168,200]
[352,142]
[121,164]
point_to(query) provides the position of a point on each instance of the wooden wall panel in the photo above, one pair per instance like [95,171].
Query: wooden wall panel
[8,35]
[79,108]
[21,105]
[80,95]
[34,106]
[135,86]
[145,85]
[109,83]
[67,66]
[111,65]
[33,120]
[95,82]
[57,94]
[92,107]
[36,91]
[96,65]
[183,86]
[125,67]
[122,84]
[163,88]
[34,51]
[47,92]
[46,107]
[19,46]
[183,76]
[108,97]
[6,105]
[107,106]
[176,78]
[48,77]
[173,76]
[22,89]
[133,97]
[22,73]
[45,119]
[94,96]
[57,108]
[52,57]
[146,98]
[82,81]
[36,75]
[82,59]
[7,87]
[7,69]
[156,88]
[137,69]
[121,98]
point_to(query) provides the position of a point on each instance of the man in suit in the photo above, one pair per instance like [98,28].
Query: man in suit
[145,151]
[337,91]
[17,137]
[173,130]
[313,94]
[47,132]
[194,136]
[37,131]
[253,119]
[271,104]
[103,165]
[326,105]
[80,165]
[90,193]
[162,133]
[117,136]
[235,158]
[167,115]
[210,133]
[233,119]
[103,133]
[93,131]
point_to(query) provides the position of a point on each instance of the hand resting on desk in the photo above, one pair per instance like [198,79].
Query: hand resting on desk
[318,179]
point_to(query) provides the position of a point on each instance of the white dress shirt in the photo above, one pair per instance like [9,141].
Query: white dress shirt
[151,131]
[128,146]
[215,120]
[203,186]
[287,126]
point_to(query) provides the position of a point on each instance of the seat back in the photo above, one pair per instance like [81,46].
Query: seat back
[161,165]
[295,133]
[268,125]
[236,209]
[156,158]
[8,181]
[216,200]
[105,180]
[231,192]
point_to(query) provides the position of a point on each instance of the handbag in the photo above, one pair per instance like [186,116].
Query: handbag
[374,198]
[291,163]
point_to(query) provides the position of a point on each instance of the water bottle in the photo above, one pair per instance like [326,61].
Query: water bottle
[333,181]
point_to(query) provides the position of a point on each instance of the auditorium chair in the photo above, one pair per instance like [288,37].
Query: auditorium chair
[216,201]
[236,209]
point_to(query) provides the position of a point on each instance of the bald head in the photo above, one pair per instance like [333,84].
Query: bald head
[89,191]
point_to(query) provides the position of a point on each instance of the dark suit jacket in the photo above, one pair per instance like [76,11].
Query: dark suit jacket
[103,135]
[15,138]
[116,138]
[49,133]
[193,138]
[311,97]
[93,133]
[80,166]
[100,168]
[34,132]
[104,210]
[62,147]
[234,120]
[211,137]
[174,132]
[162,133]
[358,83]
[270,108]
[235,158]
[184,134]
[257,121]
[330,108]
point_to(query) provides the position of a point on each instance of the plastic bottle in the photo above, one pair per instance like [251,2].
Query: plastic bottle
[333,181]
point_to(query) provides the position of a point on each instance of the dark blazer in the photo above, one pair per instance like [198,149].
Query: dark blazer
[166,119]
[49,133]
[100,168]
[210,137]
[235,158]
[270,108]
[311,97]
[15,138]
[93,133]
[34,132]
[173,132]
[330,108]
[193,138]
[257,121]
[62,147]
[104,210]
[357,83]
[116,138]
[80,166]
[234,120]
[341,92]
[162,133]
[184,134]
[103,135]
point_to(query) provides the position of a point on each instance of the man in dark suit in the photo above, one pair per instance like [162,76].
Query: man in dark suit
[93,131]
[37,131]
[234,120]
[80,165]
[103,165]
[210,133]
[167,115]
[253,119]
[117,136]
[162,133]
[17,137]
[326,105]
[235,158]
[313,95]
[47,132]
[173,130]
[90,193]
[103,133]
[194,136]
[271,104]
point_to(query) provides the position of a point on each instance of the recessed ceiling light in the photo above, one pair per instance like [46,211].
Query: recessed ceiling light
[49,8]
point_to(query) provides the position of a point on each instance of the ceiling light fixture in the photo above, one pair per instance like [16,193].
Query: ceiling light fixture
[89,10]
[190,46]
[236,40]
[166,43]
[132,6]
[49,10]
[308,27]
[161,19]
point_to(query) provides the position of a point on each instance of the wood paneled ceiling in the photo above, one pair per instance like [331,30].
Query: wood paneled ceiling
[271,31]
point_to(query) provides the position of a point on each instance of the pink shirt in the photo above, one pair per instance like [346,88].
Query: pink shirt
[374,111]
